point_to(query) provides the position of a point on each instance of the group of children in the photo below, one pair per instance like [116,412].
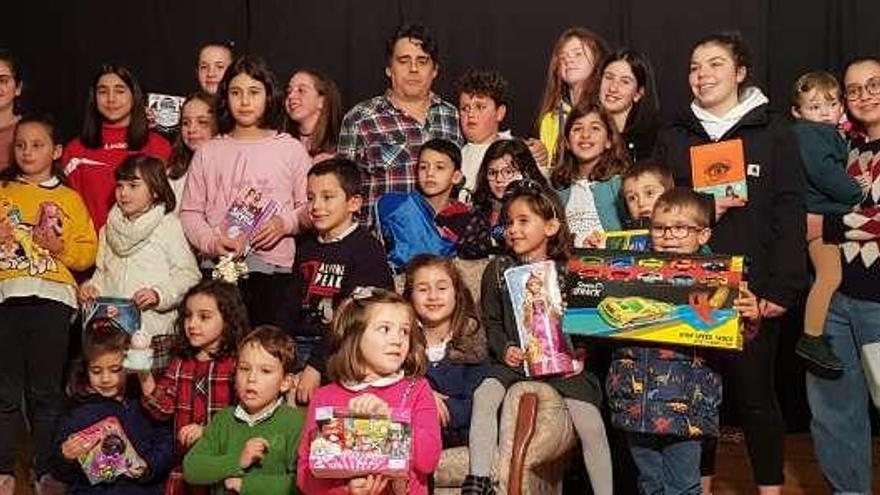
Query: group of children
[316,318]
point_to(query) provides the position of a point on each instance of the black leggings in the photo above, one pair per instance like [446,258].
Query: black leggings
[749,388]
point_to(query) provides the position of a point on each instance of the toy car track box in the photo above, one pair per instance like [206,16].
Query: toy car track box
[657,297]
[347,446]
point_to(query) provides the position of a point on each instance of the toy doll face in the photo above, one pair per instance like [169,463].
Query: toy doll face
[114,100]
[259,378]
[384,344]
[197,123]
[213,61]
[433,295]
[106,375]
[534,284]
[436,173]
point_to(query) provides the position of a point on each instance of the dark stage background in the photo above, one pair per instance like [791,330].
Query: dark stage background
[61,43]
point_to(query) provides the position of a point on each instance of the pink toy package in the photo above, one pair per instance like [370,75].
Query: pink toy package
[247,214]
[113,453]
[347,446]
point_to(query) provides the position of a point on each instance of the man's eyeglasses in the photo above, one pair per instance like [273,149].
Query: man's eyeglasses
[505,173]
[854,91]
[675,231]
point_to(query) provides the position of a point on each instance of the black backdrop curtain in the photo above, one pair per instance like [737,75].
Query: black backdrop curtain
[60,45]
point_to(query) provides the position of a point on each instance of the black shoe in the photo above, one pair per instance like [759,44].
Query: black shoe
[818,351]
[477,485]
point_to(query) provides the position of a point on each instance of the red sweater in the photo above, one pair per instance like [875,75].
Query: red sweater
[91,170]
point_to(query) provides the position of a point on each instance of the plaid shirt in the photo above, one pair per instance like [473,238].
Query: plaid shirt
[385,143]
[192,391]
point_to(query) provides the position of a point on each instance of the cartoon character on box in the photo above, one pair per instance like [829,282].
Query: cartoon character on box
[331,440]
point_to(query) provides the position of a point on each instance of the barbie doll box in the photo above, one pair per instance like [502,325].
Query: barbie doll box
[347,445]
[113,453]
[656,297]
[537,306]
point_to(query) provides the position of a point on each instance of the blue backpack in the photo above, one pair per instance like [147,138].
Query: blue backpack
[406,222]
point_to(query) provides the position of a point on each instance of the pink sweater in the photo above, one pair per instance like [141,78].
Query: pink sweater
[224,168]
[426,442]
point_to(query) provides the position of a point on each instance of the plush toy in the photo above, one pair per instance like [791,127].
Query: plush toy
[139,357]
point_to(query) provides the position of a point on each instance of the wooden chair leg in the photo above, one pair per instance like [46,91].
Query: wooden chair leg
[526,415]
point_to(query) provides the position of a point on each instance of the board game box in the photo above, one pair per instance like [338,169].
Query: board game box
[656,297]
[537,306]
[112,455]
[347,446]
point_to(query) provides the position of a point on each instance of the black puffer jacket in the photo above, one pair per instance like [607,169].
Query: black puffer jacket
[770,229]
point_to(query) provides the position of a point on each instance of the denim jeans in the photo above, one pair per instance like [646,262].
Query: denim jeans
[841,426]
[305,345]
[667,465]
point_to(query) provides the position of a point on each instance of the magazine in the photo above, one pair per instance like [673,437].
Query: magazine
[347,446]
[112,455]
[537,306]
[719,169]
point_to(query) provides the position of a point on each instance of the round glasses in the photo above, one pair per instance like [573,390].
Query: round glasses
[854,91]
[505,173]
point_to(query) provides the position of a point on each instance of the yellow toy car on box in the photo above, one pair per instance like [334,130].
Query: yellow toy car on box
[621,312]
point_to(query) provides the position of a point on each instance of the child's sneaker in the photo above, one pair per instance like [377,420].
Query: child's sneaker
[818,351]
[477,485]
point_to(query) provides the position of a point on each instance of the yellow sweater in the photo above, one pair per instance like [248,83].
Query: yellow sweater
[28,269]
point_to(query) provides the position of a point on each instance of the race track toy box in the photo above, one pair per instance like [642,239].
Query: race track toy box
[656,297]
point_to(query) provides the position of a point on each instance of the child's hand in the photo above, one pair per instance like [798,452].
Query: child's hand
[145,298]
[373,484]
[269,234]
[513,357]
[253,452]
[76,446]
[48,240]
[770,309]
[227,245]
[190,434]
[368,405]
[442,408]
[232,484]
[136,472]
[309,380]
[87,293]
[865,182]
[725,203]
[747,304]
[539,152]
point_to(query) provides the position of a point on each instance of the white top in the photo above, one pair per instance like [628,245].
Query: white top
[580,212]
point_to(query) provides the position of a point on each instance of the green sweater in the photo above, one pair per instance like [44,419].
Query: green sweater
[216,456]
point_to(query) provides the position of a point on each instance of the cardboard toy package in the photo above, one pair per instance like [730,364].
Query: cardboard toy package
[112,455]
[656,297]
[628,240]
[165,111]
[247,214]
[537,306]
[347,446]
[119,309]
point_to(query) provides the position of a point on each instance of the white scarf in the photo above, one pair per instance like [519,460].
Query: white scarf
[125,236]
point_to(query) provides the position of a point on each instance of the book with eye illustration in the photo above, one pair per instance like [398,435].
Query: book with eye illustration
[719,169]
